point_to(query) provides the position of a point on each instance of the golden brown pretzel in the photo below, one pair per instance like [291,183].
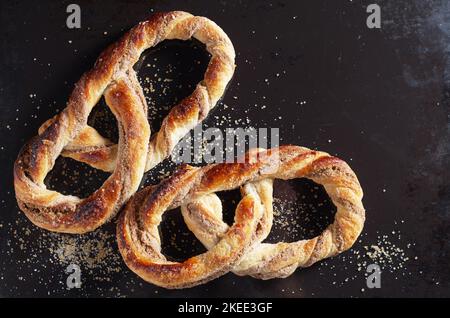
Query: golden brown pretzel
[91,148]
[67,133]
[191,188]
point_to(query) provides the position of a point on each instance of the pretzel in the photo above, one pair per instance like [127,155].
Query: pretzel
[238,248]
[113,76]
[99,152]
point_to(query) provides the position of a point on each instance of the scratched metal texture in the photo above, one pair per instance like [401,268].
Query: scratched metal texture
[377,98]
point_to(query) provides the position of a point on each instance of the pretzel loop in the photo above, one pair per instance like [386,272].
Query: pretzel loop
[266,261]
[91,148]
[64,213]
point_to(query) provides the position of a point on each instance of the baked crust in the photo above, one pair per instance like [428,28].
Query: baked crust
[193,189]
[91,148]
[113,76]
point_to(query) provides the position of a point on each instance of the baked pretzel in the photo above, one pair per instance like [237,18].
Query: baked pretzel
[113,76]
[238,248]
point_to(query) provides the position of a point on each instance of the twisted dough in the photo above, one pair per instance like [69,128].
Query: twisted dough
[91,148]
[239,247]
[68,133]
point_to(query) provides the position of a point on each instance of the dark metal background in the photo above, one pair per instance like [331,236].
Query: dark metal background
[379,99]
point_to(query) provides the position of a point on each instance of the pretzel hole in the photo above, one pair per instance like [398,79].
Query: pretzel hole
[103,120]
[230,200]
[177,242]
[168,73]
[71,177]
[302,210]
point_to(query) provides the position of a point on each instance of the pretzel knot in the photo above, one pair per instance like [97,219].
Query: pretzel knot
[238,248]
[69,135]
